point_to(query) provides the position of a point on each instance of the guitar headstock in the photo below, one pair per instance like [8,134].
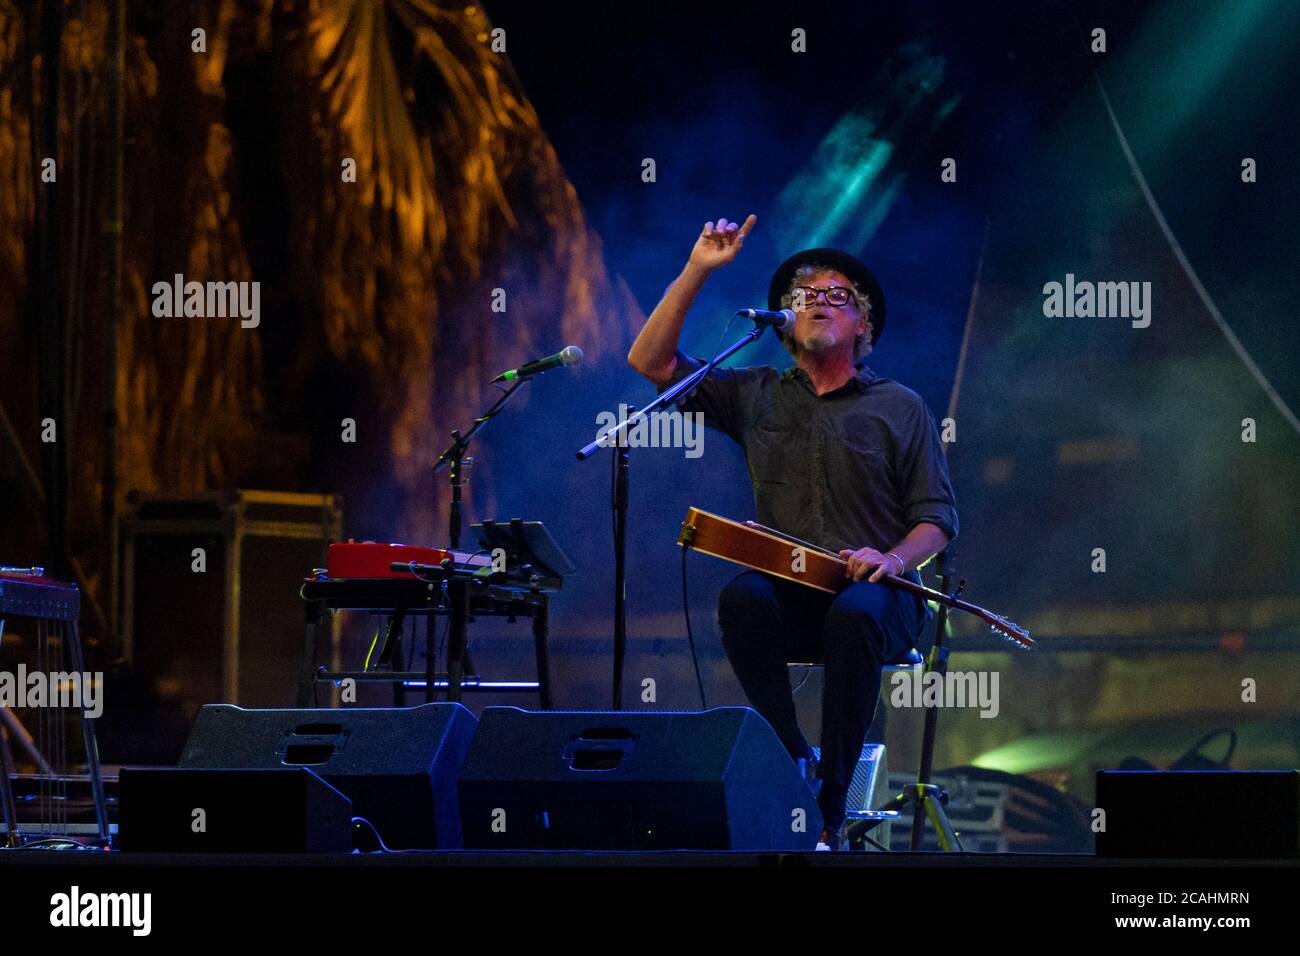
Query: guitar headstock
[1010,631]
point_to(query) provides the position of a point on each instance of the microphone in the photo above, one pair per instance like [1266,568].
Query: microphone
[782,321]
[570,355]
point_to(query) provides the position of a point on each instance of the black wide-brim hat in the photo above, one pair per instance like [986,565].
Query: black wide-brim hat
[842,262]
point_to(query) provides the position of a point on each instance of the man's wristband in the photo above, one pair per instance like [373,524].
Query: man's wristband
[902,565]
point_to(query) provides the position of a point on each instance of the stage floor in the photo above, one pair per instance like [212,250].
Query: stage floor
[563,859]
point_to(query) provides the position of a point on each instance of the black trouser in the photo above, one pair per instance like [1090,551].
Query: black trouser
[766,622]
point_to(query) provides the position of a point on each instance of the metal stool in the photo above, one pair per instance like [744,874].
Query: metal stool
[869,787]
[907,662]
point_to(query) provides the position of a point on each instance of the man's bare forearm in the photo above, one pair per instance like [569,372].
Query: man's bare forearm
[654,353]
[920,545]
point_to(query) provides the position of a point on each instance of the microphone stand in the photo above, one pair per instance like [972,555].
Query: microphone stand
[616,436]
[454,457]
[458,657]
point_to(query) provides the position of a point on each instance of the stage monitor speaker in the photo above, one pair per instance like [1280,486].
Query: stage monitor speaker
[717,780]
[231,811]
[1200,814]
[397,765]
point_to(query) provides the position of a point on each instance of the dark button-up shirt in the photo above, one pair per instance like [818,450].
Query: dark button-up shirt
[859,466]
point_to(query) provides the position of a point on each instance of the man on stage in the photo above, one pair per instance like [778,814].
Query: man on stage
[838,457]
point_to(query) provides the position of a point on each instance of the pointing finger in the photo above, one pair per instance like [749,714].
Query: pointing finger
[749,224]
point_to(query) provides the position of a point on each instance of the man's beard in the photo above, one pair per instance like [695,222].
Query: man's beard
[818,340]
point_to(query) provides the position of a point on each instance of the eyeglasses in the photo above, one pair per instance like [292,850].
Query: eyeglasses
[836,295]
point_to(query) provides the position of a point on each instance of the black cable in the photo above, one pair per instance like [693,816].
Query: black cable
[53,843]
[798,687]
[718,348]
[378,839]
[434,638]
[686,605]
[384,847]
[618,543]
[879,846]
[690,637]
[440,642]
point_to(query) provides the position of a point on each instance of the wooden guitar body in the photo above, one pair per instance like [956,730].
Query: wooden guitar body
[760,548]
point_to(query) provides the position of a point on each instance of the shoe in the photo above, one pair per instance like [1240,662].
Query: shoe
[832,841]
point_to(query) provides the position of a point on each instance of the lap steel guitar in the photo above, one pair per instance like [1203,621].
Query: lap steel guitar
[756,546]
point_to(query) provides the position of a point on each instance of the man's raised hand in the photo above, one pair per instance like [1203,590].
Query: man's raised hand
[719,243]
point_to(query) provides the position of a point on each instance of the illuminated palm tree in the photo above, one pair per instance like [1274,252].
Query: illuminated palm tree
[239,162]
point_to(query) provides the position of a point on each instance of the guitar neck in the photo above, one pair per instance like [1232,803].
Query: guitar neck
[930,594]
